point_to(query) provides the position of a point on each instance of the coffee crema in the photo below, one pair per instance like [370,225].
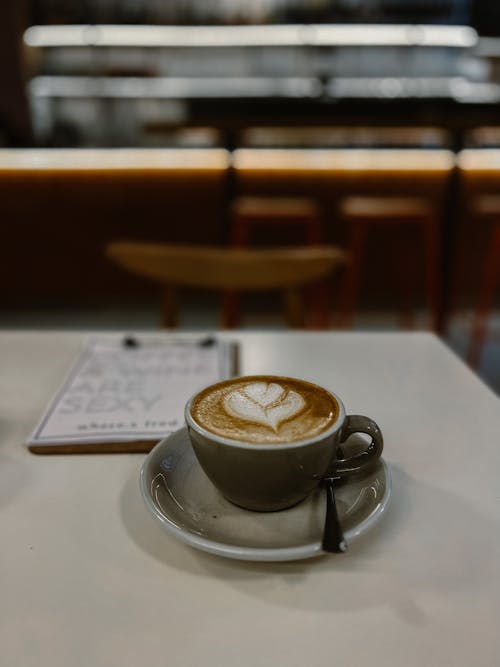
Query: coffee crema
[265,409]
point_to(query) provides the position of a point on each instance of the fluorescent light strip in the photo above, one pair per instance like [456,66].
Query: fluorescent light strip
[172,88]
[232,36]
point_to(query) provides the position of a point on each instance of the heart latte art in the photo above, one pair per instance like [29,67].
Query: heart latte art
[265,403]
[265,409]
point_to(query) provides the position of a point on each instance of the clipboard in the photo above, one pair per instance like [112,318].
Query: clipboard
[124,394]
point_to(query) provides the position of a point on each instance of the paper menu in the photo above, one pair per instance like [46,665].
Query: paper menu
[118,398]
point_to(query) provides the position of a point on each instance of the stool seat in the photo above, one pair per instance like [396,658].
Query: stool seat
[385,209]
[287,270]
[286,208]
[488,205]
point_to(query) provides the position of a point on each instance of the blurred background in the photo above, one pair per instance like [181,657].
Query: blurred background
[372,125]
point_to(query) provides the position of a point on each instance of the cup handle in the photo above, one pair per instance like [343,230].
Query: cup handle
[364,460]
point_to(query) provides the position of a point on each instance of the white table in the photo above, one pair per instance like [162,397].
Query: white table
[89,579]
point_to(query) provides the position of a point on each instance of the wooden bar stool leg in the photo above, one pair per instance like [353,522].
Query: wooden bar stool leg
[230,309]
[352,279]
[240,233]
[318,293]
[405,265]
[314,232]
[432,240]
[294,308]
[487,289]
[169,310]
[231,299]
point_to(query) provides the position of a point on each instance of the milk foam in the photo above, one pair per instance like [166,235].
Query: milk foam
[266,403]
[265,409]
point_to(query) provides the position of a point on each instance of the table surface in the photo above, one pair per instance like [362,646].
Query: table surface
[89,578]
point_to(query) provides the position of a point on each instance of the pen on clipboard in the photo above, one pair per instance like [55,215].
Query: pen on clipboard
[132,342]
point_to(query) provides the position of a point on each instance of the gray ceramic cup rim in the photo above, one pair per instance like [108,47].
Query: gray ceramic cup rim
[241,444]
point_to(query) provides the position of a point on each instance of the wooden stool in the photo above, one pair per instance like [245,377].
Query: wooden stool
[487,207]
[361,213]
[247,213]
[174,267]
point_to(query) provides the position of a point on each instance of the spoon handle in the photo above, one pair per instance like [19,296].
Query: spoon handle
[333,537]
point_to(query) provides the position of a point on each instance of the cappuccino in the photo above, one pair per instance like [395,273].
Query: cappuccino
[265,409]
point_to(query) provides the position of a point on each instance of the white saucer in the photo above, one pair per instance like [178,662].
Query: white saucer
[181,497]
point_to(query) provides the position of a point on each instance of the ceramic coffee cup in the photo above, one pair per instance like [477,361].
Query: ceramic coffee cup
[266,442]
